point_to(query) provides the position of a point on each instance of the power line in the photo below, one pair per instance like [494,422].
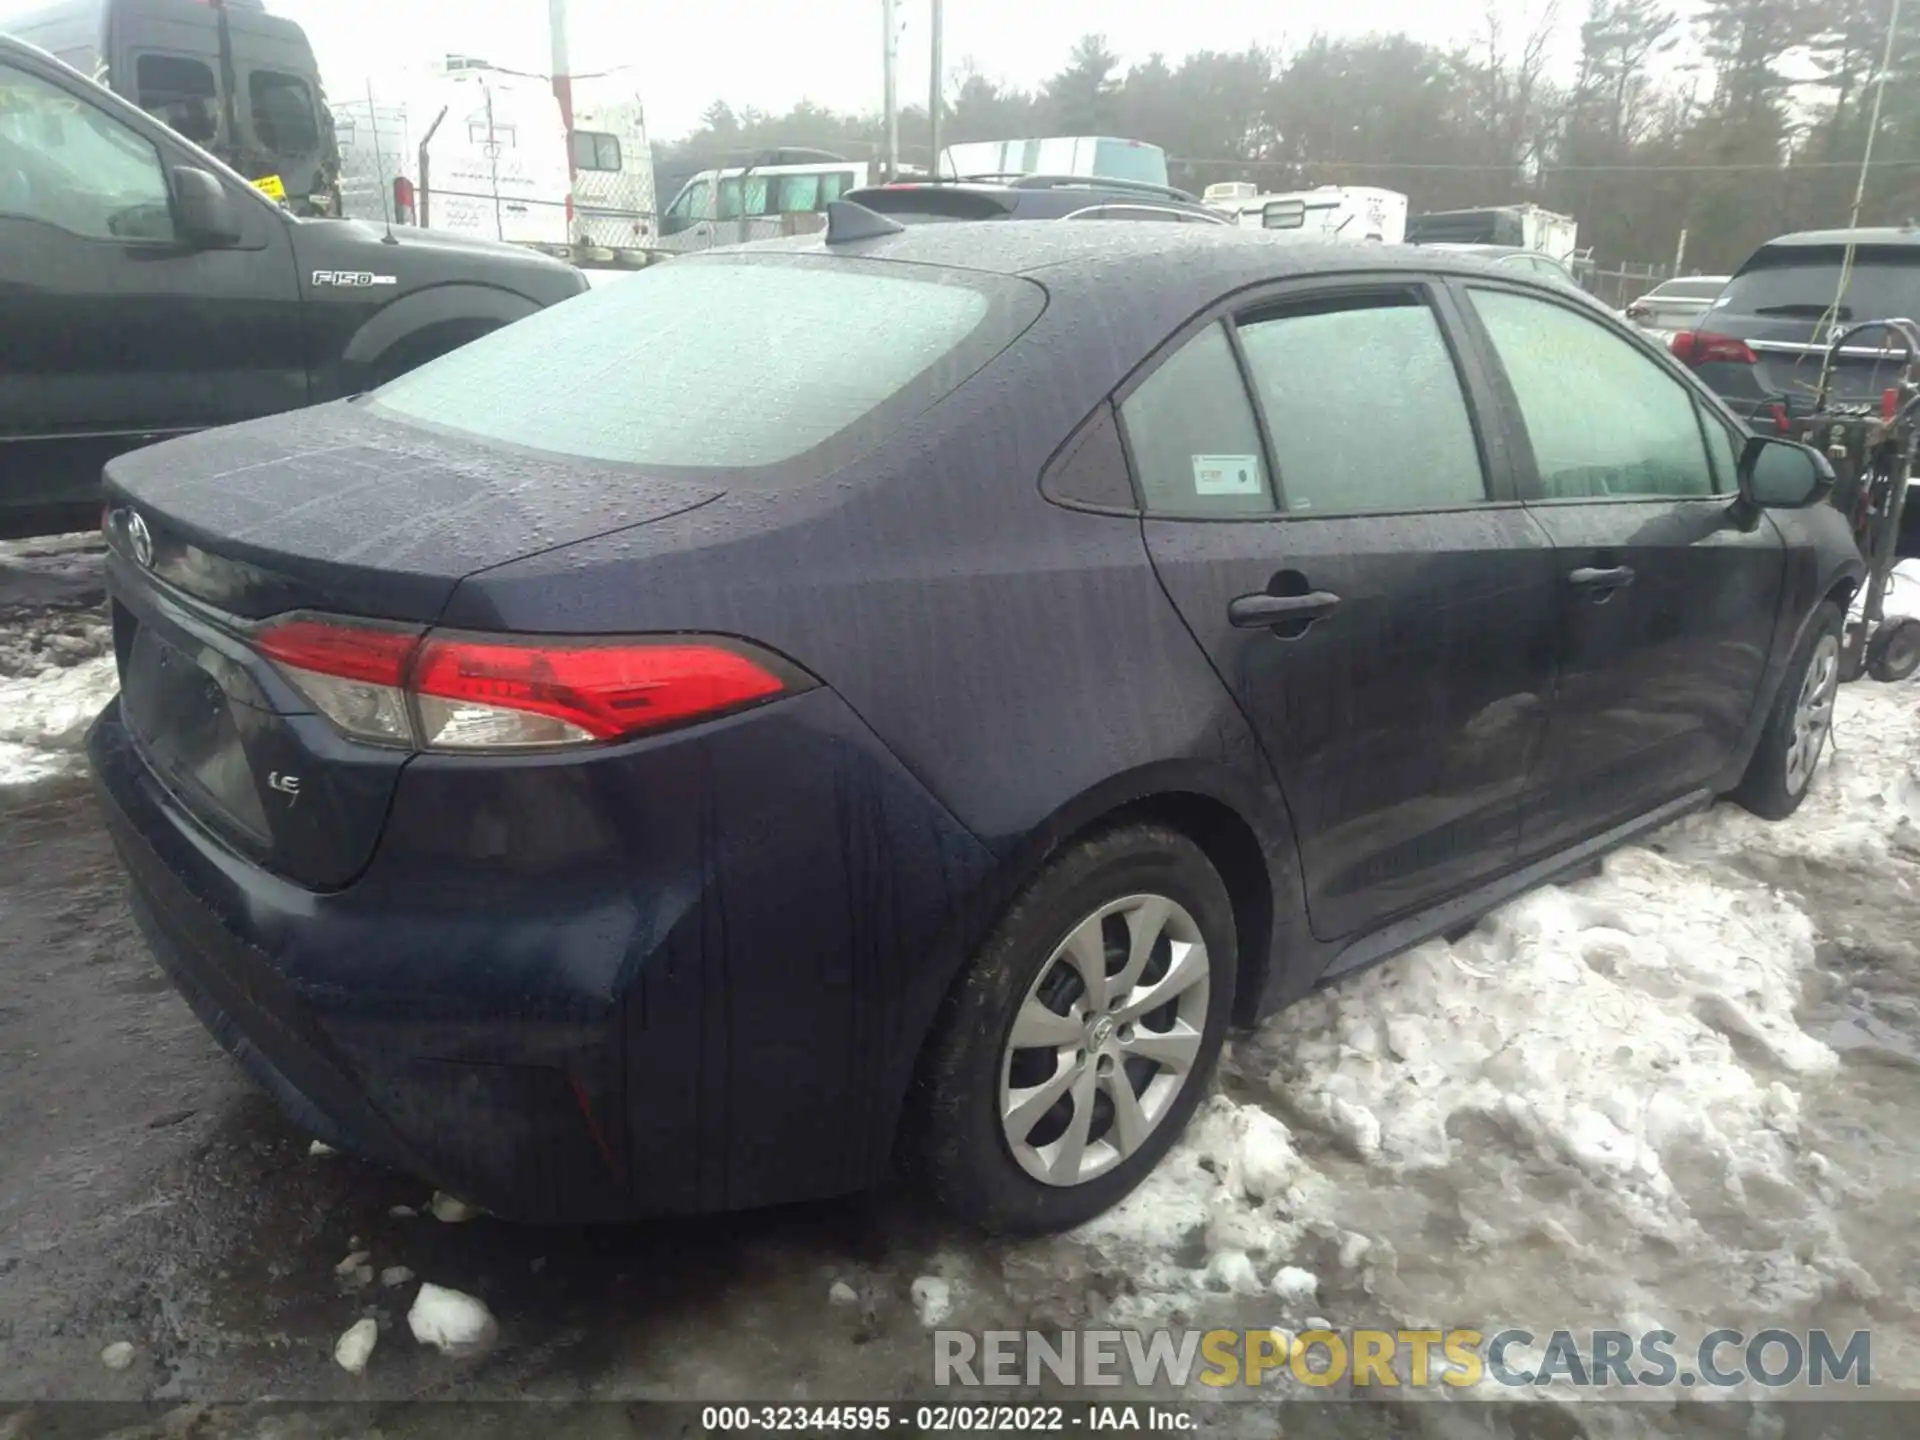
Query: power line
[1514,168]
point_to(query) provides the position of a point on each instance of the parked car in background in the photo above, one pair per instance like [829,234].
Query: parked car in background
[1676,304]
[1092,157]
[696,788]
[146,290]
[1035,197]
[1514,259]
[1762,342]
[1524,227]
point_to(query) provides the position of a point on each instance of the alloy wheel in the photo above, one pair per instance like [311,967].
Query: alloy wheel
[1813,712]
[1105,1040]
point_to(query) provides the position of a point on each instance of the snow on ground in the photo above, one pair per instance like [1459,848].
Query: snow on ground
[56,654]
[1586,1113]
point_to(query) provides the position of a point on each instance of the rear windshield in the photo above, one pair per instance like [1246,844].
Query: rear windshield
[723,363]
[1803,280]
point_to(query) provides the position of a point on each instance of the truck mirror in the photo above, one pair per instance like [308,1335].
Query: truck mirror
[203,212]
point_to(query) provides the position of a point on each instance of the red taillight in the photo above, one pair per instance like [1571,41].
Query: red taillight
[392,686]
[376,656]
[592,691]
[1703,347]
[403,200]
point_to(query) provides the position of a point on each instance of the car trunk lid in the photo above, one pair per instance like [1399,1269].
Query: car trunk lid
[331,511]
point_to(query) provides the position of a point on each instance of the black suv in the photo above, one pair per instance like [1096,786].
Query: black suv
[146,290]
[1034,197]
[1763,341]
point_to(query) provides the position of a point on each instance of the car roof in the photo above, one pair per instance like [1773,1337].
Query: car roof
[1182,258]
[1884,235]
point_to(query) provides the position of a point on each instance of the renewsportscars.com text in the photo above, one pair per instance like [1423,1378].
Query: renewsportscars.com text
[1414,1359]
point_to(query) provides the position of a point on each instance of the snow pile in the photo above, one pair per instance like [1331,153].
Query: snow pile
[44,717]
[355,1347]
[453,1323]
[1586,1112]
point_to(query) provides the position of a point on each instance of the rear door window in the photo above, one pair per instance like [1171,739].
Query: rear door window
[181,94]
[1194,440]
[1364,406]
[283,113]
[717,363]
[595,150]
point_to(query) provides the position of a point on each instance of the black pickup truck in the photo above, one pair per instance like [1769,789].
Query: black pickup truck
[147,290]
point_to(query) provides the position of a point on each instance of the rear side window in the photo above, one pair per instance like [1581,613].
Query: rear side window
[283,114]
[595,150]
[1365,408]
[722,363]
[1195,443]
[179,93]
[1604,420]
[1802,282]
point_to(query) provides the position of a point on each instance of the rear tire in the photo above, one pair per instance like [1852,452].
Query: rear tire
[1118,963]
[1797,727]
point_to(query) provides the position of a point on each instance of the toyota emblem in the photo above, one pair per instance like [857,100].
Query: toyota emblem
[141,539]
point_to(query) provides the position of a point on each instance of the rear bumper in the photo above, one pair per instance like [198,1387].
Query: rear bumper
[685,976]
[509,1134]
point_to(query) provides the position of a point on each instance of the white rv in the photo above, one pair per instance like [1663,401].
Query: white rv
[1331,212]
[467,149]
[1102,157]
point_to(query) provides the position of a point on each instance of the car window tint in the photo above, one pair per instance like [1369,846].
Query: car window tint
[1365,409]
[705,363]
[179,93]
[283,115]
[1724,447]
[67,164]
[1603,419]
[1195,443]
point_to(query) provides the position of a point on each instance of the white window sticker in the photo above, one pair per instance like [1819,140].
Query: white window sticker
[1226,474]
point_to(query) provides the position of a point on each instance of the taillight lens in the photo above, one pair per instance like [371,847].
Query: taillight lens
[353,674]
[485,694]
[450,691]
[403,200]
[1702,347]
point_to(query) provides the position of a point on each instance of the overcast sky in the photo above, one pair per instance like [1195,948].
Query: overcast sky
[772,53]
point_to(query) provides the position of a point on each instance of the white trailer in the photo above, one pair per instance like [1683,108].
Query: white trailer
[1526,227]
[467,149]
[1331,212]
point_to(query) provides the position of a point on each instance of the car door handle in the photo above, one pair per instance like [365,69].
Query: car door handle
[1610,578]
[1256,612]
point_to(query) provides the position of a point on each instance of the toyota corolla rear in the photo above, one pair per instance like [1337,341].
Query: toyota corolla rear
[571,923]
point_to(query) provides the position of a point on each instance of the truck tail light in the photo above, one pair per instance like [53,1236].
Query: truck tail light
[466,692]
[1703,347]
[403,208]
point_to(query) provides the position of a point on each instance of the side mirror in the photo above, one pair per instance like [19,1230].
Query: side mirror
[203,212]
[1784,474]
[1283,215]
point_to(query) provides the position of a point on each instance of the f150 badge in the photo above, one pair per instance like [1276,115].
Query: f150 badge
[352,279]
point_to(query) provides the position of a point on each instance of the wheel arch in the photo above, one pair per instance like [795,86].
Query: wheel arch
[447,315]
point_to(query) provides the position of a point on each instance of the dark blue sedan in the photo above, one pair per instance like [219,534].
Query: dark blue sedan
[900,698]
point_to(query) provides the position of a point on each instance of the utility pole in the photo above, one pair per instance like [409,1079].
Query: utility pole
[934,98]
[890,91]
